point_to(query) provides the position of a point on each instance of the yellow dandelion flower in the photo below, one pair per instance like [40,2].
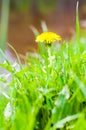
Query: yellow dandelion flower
[48,37]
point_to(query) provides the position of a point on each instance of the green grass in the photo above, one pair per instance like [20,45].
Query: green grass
[36,96]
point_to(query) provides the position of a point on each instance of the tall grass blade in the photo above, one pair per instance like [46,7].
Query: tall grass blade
[77,26]
[4,23]
[18,58]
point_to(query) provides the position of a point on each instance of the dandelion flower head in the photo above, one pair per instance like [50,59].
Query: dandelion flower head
[48,37]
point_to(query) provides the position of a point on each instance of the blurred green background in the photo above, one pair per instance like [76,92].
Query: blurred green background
[44,6]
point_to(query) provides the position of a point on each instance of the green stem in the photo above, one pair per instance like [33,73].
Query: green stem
[49,57]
